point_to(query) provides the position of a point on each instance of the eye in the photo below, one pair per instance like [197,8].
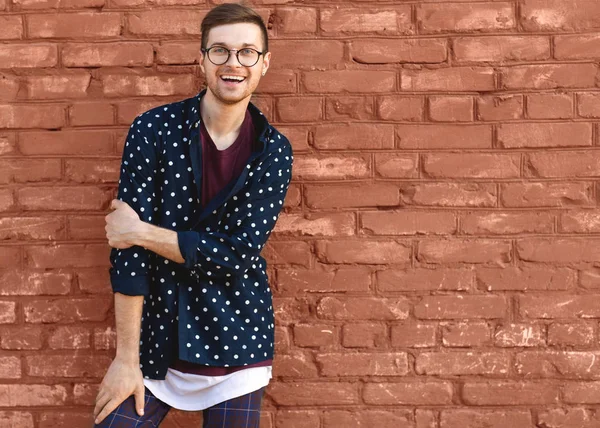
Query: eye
[219,50]
[247,51]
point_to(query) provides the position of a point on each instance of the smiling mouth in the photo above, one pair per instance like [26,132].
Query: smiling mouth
[233,79]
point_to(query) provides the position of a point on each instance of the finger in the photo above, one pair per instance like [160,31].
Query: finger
[107,410]
[115,203]
[139,400]
[101,401]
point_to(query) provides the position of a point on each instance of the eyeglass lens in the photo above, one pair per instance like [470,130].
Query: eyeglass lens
[247,57]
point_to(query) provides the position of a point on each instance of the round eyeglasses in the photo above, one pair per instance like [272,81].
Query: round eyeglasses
[219,55]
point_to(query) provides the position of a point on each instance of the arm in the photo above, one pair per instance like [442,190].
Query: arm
[124,377]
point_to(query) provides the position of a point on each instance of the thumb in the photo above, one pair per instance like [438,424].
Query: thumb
[139,400]
[114,204]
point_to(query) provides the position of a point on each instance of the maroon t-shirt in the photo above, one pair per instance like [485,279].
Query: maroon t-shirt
[219,167]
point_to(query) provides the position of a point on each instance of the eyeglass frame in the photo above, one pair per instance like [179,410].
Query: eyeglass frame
[237,53]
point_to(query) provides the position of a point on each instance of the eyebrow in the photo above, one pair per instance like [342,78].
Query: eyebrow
[245,45]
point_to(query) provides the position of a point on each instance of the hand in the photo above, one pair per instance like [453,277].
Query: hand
[122,225]
[120,382]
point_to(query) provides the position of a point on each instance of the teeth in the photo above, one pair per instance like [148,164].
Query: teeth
[238,78]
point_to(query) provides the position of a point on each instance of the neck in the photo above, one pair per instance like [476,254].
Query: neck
[222,119]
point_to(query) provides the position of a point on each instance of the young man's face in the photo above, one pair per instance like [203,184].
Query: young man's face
[234,36]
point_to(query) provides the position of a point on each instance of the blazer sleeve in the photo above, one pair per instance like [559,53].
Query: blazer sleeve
[130,267]
[218,254]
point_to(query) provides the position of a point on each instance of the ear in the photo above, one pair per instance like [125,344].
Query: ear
[201,57]
[266,62]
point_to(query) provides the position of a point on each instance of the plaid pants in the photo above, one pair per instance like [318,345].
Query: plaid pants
[239,412]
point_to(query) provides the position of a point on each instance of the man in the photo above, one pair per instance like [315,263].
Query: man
[202,183]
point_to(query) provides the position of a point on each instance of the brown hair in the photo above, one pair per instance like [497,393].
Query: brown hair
[232,13]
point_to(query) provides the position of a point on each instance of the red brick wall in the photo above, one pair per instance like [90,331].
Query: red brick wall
[438,262]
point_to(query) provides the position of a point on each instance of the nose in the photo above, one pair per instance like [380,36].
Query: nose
[233,60]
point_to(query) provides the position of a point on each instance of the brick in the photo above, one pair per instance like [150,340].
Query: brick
[289,252]
[107,54]
[354,195]
[378,418]
[579,222]
[462,363]
[519,335]
[545,194]
[16,419]
[10,257]
[360,21]
[11,27]
[344,107]
[67,366]
[507,223]
[414,335]
[278,82]
[563,164]
[32,395]
[8,312]
[524,279]
[589,279]
[293,198]
[296,365]
[298,137]
[362,308]
[7,144]
[63,198]
[21,338]
[449,194]
[354,136]
[397,51]
[572,306]
[451,109]
[94,113]
[349,81]
[30,170]
[164,22]
[462,17]
[61,310]
[314,335]
[56,4]
[466,334]
[314,393]
[571,334]
[426,419]
[105,338]
[464,251]
[448,79]
[35,283]
[317,53]
[67,255]
[390,165]
[552,15]
[122,85]
[471,165]
[295,20]
[31,228]
[464,418]
[548,76]
[32,116]
[177,53]
[509,393]
[440,279]
[28,55]
[569,417]
[400,108]
[429,393]
[407,223]
[127,111]
[64,419]
[582,392]
[92,171]
[501,48]
[69,337]
[66,143]
[576,46]
[342,224]
[558,250]
[363,364]
[444,136]
[10,368]
[461,307]
[74,25]
[364,335]
[342,279]
[563,364]
[297,419]
[587,105]
[500,107]
[331,167]
[363,252]
[299,109]
[550,106]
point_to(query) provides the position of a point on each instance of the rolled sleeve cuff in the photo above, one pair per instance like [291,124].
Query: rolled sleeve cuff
[188,246]
[131,286]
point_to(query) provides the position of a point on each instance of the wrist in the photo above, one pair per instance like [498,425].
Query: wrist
[140,234]
[128,358]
